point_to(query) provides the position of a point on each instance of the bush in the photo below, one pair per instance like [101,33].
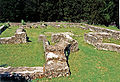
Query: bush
[23,22]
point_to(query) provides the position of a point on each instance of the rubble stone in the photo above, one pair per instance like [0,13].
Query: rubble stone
[19,37]
[96,40]
[114,34]
[66,37]
[56,63]
[31,72]
[42,38]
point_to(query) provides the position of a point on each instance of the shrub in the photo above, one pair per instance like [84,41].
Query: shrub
[23,22]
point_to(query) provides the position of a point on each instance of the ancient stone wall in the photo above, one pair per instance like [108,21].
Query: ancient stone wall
[56,62]
[66,37]
[44,24]
[19,37]
[43,38]
[114,34]
[96,40]
[18,72]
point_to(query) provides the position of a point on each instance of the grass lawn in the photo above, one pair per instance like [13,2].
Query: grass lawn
[86,65]
[9,32]
[1,24]
[110,27]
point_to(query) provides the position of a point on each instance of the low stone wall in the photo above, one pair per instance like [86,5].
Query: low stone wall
[19,37]
[56,62]
[44,24]
[91,39]
[15,24]
[108,46]
[114,34]
[44,40]
[21,72]
[66,37]
[96,40]
[55,55]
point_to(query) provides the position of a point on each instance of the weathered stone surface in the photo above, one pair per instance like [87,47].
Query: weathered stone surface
[56,63]
[26,26]
[27,72]
[108,46]
[43,25]
[15,24]
[114,34]
[42,38]
[19,37]
[94,37]
[21,29]
[96,40]
[66,37]
[34,26]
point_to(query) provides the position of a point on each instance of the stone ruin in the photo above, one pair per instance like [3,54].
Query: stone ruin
[66,37]
[96,38]
[114,34]
[19,73]
[56,62]
[56,57]
[19,37]
[45,24]
[30,25]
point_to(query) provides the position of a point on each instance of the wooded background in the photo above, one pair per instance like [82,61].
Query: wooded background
[93,11]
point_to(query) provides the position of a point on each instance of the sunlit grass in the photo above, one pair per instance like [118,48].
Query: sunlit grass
[1,24]
[110,27]
[10,31]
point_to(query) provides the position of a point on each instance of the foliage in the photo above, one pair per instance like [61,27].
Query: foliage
[95,11]
[23,22]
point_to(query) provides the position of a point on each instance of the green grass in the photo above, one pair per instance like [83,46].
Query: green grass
[1,24]
[10,31]
[86,65]
[110,27]
[103,26]
[111,40]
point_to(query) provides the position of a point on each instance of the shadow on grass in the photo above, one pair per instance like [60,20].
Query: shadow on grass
[28,40]
[3,65]
[7,77]
[67,53]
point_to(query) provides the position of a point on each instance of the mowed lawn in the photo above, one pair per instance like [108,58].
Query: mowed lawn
[86,65]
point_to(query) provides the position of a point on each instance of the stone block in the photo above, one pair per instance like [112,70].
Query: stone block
[65,37]
[42,38]
[56,62]
[26,72]
[96,40]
